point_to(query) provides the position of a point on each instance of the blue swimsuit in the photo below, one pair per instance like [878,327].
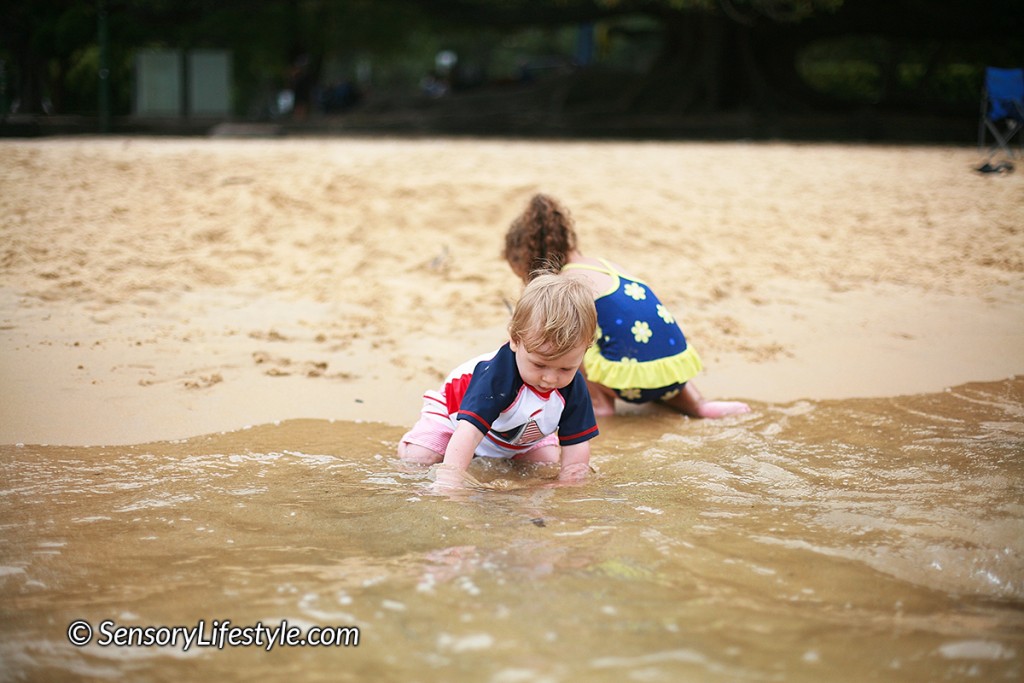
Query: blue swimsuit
[640,352]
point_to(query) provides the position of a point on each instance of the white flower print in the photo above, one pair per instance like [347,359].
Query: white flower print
[630,394]
[635,291]
[665,314]
[641,331]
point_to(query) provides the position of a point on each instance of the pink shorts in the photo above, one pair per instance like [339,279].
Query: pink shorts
[434,433]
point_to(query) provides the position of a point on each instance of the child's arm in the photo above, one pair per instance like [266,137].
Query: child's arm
[457,455]
[575,462]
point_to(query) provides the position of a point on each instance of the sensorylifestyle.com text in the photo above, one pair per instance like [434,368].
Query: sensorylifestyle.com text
[217,634]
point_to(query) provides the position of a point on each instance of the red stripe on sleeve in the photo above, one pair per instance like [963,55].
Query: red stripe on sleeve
[571,437]
[476,417]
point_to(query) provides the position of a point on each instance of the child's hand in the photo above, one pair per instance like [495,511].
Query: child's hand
[448,478]
[575,473]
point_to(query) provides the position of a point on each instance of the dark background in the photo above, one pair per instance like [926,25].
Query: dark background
[895,70]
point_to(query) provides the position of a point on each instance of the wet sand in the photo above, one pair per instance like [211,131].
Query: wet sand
[162,289]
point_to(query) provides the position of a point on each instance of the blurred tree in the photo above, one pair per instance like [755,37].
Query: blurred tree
[49,48]
[30,36]
[717,55]
[710,56]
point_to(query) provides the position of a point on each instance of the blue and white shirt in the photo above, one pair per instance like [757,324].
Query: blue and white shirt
[489,393]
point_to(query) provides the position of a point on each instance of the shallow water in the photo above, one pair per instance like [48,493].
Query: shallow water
[840,540]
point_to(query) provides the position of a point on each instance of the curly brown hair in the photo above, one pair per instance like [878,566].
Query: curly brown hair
[540,238]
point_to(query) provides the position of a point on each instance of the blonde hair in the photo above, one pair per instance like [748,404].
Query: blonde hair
[554,315]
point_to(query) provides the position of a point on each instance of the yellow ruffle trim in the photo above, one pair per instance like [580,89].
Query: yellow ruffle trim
[631,374]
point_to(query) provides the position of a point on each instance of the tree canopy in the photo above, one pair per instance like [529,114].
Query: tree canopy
[666,56]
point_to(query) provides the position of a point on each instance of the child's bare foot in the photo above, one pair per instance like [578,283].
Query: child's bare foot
[690,402]
[714,410]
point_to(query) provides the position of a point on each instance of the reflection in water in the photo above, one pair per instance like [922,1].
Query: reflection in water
[842,540]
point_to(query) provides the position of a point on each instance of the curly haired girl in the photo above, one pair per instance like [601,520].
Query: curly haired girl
[640,353]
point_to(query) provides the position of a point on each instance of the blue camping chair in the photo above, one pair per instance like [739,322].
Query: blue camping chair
[1002,110]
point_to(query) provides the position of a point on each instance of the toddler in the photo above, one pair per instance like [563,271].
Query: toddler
[526,401]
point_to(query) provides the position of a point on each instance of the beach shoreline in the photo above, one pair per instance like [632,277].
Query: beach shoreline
[163,289]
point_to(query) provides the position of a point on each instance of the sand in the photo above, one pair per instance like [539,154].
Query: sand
[157,289]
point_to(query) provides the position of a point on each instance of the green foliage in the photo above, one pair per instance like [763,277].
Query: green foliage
[872,69]
[857,51]
[845,68]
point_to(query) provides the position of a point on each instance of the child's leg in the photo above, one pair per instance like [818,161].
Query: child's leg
[546,450]
[410,452]
[690,402]
[602,398]
[544,454]
[426,442]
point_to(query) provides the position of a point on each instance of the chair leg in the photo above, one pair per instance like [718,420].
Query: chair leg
[1001,141]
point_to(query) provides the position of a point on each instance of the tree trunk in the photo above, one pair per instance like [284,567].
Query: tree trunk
[709,63]
[30,81]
